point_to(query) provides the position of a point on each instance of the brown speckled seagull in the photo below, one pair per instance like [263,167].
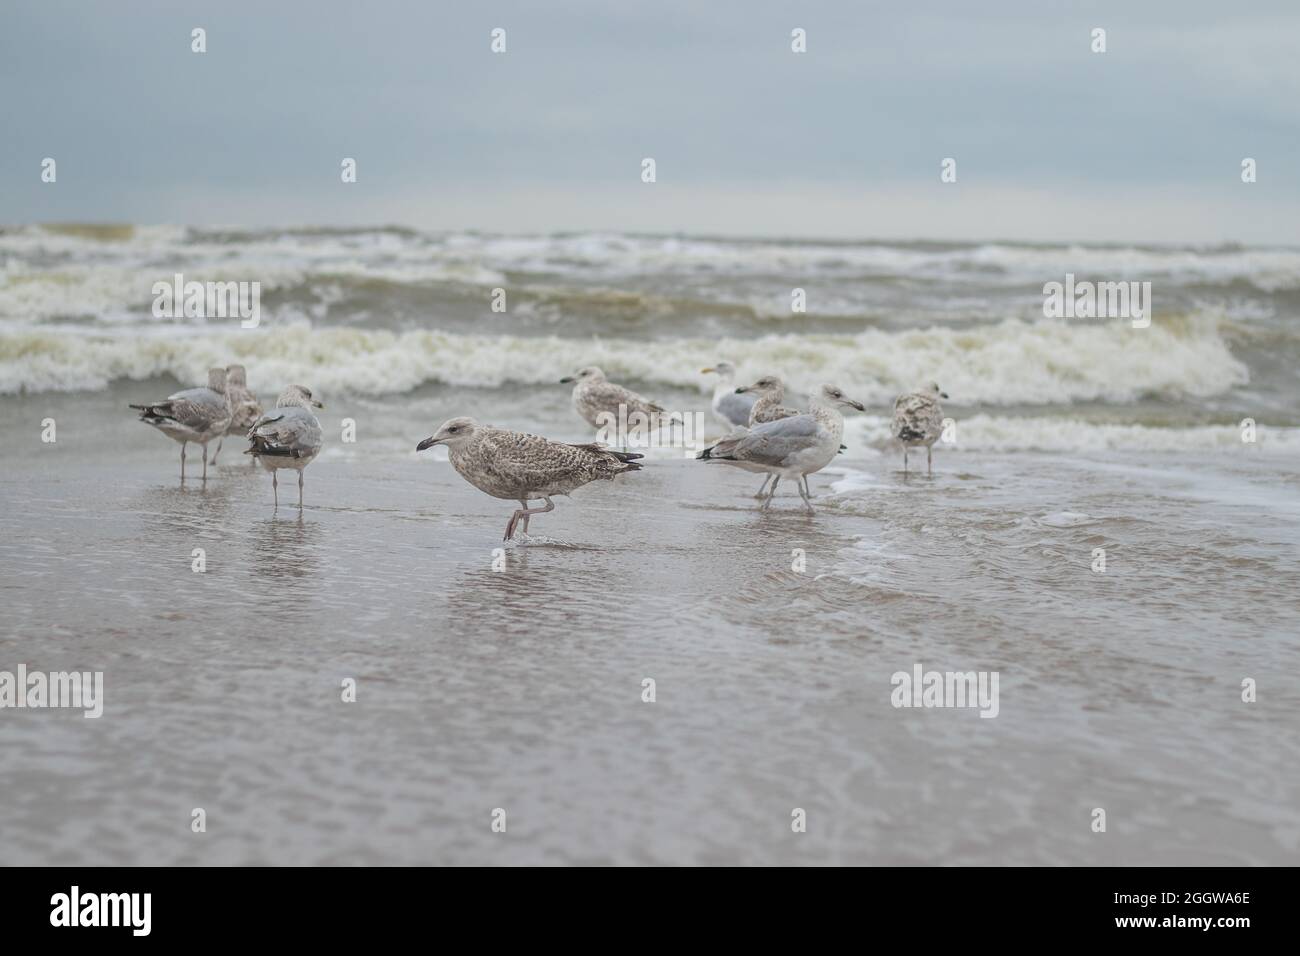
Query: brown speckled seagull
[518,467]
[594,396]
[244,406]
[768,408]
[768,394]
[918,420]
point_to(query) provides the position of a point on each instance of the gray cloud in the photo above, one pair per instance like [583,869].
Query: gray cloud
[1148,136]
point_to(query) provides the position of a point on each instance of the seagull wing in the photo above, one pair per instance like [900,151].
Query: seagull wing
[286,433]
[609,396]
[770,443]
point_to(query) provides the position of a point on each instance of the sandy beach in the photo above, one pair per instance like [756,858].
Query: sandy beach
[521,688]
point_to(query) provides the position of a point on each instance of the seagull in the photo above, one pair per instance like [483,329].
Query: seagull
[518,467]
[288,436]
[598,401]
[730,406]
[244,406]
[192,415]
[918,420]
[767,406]
[789,447]
[769,393]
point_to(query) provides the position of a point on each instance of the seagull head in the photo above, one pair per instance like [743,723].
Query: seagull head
[932,388]
[236,375]
[217,380]
[585,375]
[832,395]
[724,370]
[299,395]
[767,385]
[452,432]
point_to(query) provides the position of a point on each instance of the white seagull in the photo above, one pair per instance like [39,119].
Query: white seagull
[792,447]
[288,436]
[730,405]
[192,415]
[770,392]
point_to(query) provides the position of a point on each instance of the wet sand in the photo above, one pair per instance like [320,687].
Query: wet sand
[521,688]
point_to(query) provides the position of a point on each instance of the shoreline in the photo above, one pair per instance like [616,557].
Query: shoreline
[521,688]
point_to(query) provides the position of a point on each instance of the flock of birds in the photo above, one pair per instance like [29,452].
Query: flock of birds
[764,435]
[288,436]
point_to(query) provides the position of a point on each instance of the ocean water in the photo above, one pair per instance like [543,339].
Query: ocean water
[513,679]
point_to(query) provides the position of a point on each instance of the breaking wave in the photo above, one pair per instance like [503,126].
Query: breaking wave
[1012,362]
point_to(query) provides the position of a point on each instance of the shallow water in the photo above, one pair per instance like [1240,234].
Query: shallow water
[521,688]
[772,638]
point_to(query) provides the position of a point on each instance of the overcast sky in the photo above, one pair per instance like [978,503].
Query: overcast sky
[1052,141]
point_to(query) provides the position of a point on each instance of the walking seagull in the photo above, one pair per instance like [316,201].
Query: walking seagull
[244,407]
[517,467]
[918,420]
[768,408]
[288,436]
[792,447]
[192,415]
[730,406]
[598,401]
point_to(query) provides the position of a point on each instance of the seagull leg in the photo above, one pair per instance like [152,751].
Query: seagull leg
[776,480]
[220,441]
[762,488]
[527,511]
[803,490]
[533,511]
[204,446]
[928,450]
[299,489]
[904,459]
[524,513]
[275,489]
[183,461]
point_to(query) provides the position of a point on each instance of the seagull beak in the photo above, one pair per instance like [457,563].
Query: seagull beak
[706,371]
[318,404]
[566,380]
[852,404]
[943,394]
[742,390]
[427,443]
